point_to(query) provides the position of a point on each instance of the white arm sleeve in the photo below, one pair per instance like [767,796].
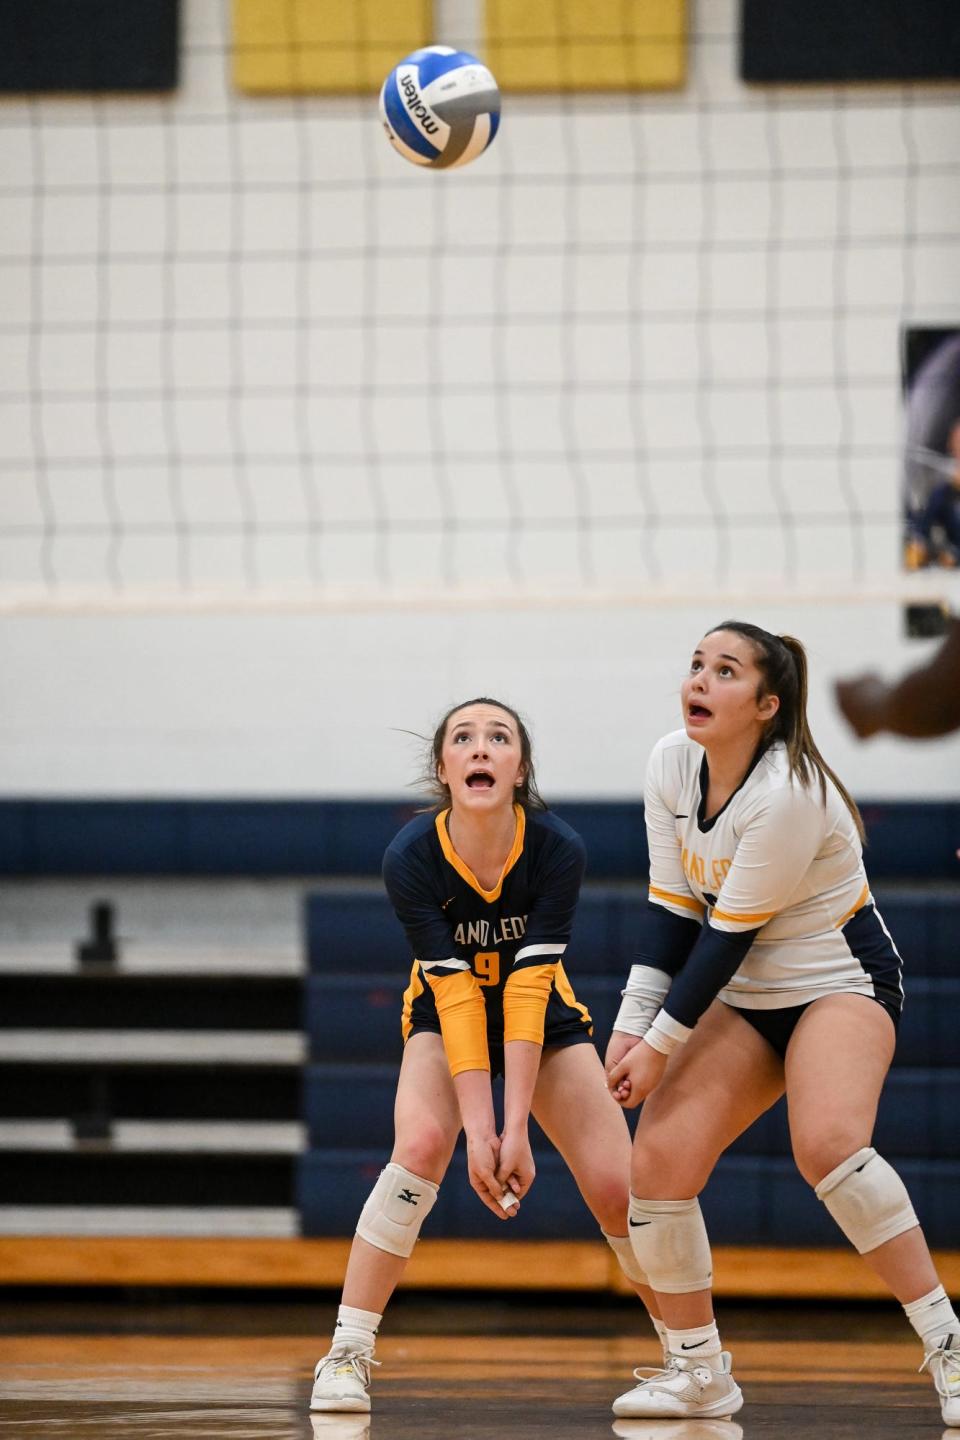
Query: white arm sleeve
[641,1001]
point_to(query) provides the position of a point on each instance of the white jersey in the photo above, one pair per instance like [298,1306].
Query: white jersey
[775,859]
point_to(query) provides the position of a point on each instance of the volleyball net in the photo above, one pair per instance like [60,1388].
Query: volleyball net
[647,348]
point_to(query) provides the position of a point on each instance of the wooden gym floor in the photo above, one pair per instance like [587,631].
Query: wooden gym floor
[143,1366]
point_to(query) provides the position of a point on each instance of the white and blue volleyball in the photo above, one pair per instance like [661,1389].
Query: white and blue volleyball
[440,107]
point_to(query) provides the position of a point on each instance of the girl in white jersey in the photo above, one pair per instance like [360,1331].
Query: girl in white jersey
[766,968]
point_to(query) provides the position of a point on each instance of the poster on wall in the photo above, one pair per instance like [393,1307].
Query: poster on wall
[930,368]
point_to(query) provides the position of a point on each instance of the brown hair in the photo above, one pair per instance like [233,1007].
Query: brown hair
[526,792]
[782,662]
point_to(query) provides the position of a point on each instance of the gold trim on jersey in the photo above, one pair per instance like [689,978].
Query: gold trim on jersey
[464,871]
[414,989]
[862,899]
[687,902]
[743,919]
[565,991]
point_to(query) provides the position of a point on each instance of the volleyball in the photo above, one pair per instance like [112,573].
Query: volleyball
[440,107]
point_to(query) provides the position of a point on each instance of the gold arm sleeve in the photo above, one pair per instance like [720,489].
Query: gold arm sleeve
[463,1020]
[525,997]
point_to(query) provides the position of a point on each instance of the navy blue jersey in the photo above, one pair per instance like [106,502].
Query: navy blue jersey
[488,963]
[940,522]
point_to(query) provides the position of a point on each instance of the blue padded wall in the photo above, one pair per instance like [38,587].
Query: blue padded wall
[355,929]
[917,1116]
[750,1200]
[907,840]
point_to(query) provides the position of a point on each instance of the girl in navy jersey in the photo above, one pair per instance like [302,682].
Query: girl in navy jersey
[486,887]
[767,969]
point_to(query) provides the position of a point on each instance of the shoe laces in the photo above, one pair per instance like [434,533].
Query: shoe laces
[358,1360]
[948,1354]
[674,1365]
[643,1373]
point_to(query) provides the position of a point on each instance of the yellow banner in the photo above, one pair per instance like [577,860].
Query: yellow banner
[586,44]
[286,47]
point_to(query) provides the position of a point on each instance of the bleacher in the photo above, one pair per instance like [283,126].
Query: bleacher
[150,1056]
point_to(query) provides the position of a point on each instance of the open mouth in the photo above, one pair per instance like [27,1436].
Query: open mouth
[480,780]
[699,712]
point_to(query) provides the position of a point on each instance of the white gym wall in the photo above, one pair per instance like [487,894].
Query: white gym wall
[645,344]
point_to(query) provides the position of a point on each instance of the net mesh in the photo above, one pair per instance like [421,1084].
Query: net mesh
[647,347]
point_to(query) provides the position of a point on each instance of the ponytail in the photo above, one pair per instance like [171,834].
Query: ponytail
[782,662]
[803,753]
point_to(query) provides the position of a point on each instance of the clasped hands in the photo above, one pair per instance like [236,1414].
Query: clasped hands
[633,1069]
[498,1165]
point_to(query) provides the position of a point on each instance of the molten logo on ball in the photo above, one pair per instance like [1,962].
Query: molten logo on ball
[416,106]
[440,107]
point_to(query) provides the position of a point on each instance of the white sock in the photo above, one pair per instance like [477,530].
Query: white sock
[661,1328]
[933,1317]
[355,1329]
[701,1343]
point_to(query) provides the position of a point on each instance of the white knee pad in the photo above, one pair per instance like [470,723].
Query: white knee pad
[868,1200]
[621,1247]
[670,1244]
[396,1208]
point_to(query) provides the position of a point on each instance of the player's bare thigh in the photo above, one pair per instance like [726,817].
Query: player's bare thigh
[837,1061]
[582,1120]
[715,1086]
[426,1116]
[576,1111]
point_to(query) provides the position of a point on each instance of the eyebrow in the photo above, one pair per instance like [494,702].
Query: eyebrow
[493,724]
[722,656]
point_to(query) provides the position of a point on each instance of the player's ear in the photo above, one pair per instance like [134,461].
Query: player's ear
[767,707]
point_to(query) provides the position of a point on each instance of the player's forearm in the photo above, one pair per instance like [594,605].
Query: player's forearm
[475,1099]
[713,961]
[521,1065]
[463,1021]
[922,705]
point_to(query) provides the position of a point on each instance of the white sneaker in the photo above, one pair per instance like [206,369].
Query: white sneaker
[944,1365]
[341,1381]
[678,1429]
[683,1389]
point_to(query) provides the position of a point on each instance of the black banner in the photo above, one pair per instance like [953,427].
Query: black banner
[792,41]
[71,46]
